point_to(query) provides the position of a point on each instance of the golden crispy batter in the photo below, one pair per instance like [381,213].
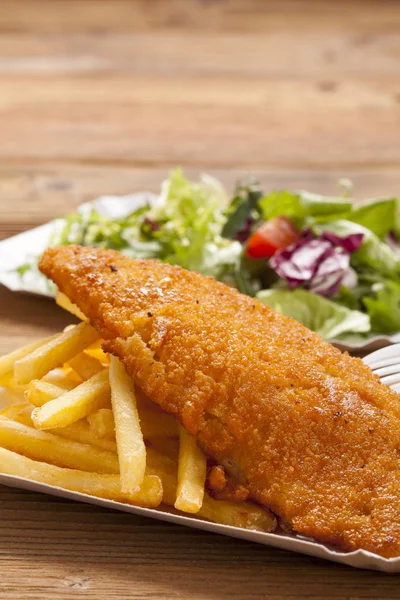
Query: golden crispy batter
[308,430]
[222,487]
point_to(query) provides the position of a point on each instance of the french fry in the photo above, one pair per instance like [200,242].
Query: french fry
[192,471]
[153,425]
[236,514]
[101,356]
[97,351]
[245,515]
[10,394]
[7,361]
[101,423]
[8,380]
[24,415]
[47,447]
[81,454]
[130,443]
[85,365]
[92,484]
[40,392]
[12,410]
[74,405]
[166,469]
[54,353]
[96,346]
[77,432]
[62,377]
[64,302]
[80,432]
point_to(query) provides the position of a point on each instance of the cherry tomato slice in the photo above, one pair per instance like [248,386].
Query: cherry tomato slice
[273,235]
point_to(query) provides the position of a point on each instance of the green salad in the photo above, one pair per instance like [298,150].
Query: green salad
[330,263]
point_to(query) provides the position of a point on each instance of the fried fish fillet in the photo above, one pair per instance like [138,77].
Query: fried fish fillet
[310,432]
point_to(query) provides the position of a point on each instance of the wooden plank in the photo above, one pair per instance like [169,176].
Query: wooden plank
[284,51]
[228,92]
[132,15]
[285,123]
[26,317]
[129,103]
[120,556]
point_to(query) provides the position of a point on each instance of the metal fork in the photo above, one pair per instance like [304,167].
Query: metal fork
[386,364]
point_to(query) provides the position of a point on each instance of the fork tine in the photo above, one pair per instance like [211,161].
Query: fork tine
[383,357]
[391,379]
[389,370]
[386,364]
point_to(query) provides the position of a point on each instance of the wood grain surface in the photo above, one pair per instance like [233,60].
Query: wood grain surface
[104,96]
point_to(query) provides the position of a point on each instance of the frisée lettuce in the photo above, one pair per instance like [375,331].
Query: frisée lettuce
[187,225]
[183,227]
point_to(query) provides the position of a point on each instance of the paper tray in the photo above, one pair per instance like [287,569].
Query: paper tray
[17,250]
[360,559]
[295,543]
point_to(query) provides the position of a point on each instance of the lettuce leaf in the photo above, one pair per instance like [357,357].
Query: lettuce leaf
[88,227]
[303,208]
[378,216]
[372,254]
[317,205]
[242,211]
[189,220]
[384,308]
[329,319]
[306,208]
[283,203]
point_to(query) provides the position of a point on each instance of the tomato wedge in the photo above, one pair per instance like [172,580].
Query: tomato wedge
[273,235]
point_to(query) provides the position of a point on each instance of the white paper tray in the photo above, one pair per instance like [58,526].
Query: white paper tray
[360,558]
[295,543]
[17,250]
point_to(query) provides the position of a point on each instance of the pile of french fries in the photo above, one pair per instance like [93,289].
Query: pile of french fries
[75,420]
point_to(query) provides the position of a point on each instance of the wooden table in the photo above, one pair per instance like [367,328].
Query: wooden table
[104,97]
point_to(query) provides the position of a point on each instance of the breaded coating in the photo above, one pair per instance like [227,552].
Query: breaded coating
[310,432]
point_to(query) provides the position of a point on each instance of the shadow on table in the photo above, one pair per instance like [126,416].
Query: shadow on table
[64,546]
[32,310]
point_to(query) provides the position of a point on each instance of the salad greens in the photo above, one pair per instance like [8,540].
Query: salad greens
[184,228]
[329,319]
[373,254]
[187,226]
[378,217]
[384,308]
[339,276]
[242,211]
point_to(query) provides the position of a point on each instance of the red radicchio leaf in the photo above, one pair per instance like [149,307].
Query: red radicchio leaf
[350,243]
[320,264]
[330,273]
